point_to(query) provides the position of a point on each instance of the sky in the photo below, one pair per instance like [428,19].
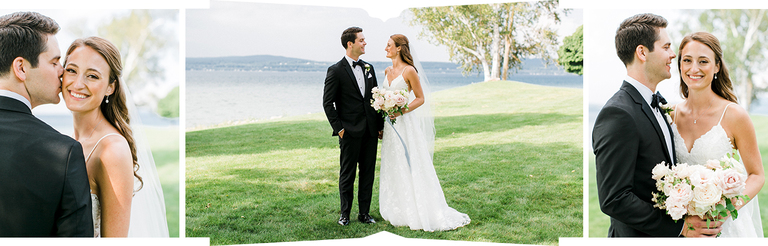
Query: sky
[307,32]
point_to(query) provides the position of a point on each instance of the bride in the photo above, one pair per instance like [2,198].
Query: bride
[709,124]
[125,191]
[409,190]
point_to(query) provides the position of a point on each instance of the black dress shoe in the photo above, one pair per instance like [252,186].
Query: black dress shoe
[344,220]
[366,218]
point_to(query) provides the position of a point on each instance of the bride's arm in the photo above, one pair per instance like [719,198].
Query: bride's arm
[412,77]
[744,139]
[115,187]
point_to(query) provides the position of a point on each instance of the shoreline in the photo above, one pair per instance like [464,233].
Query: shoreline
[230,123]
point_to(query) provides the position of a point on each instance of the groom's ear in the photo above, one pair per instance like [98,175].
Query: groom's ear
[641,52]
[18,69]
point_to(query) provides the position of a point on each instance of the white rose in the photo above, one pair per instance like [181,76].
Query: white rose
[705,197]
[389,103]
[659,171]
[713,164]
[682,171]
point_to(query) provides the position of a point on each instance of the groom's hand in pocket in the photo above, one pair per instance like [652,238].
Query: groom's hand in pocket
[698,227]
[381,134]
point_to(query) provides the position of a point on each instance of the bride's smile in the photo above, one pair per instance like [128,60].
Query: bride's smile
[85,80]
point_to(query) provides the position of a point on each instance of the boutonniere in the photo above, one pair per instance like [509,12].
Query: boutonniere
[666,111]
[367,68]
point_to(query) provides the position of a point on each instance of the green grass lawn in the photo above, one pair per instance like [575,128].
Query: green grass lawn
[164,143]
[599,222]
[508,154]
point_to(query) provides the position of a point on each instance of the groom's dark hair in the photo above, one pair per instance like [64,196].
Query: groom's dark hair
[641,29]
[349,35]
[24,34]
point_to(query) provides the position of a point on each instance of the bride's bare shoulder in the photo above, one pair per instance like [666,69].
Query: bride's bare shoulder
[115,151]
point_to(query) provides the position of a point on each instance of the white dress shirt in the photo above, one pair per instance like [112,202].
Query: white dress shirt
[14,95]
[359,76]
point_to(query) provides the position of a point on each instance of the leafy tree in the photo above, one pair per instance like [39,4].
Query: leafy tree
[571,54]
[169,106]
[144,38]
[481,36]
[743,35]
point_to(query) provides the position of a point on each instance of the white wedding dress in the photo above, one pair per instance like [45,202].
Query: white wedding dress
[412,195]
[714,145]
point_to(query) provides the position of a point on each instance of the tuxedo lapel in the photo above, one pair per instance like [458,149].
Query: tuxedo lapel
[367,81]
[632,91]
[353,80]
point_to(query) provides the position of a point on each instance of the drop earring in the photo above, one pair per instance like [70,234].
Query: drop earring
[715,76]
[107,99]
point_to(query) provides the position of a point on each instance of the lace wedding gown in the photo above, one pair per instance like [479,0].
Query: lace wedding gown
[412,195]
[714,145]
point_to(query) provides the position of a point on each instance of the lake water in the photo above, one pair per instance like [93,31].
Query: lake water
[216,97]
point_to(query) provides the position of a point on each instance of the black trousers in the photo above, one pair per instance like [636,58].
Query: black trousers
[357,153]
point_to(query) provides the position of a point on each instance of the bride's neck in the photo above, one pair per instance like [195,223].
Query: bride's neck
[397,62]
[700,100]
[86,122]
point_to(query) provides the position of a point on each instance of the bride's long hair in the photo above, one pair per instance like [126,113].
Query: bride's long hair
[405,49]
[116,111]
[722,86]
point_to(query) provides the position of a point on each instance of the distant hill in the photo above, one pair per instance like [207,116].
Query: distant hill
[286,64]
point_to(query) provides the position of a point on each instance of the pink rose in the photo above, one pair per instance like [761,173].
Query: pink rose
[732,182]
[377,103]
[400,100]
[677,201]
[676,210]
[702,176]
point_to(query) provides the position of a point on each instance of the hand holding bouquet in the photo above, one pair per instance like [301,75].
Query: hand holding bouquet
[707,190]
[389,102]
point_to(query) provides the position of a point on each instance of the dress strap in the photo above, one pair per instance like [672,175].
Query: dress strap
[97,144]
[675,109]
[721,117]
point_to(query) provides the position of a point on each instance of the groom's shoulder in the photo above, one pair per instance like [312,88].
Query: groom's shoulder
[42,130]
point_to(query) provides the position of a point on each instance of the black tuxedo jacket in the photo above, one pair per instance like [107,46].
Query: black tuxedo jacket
[44,188]
[345,107]
[628,143]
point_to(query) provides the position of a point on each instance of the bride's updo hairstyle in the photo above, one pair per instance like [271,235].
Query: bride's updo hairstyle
[722,86]
[116,110]
[405,50]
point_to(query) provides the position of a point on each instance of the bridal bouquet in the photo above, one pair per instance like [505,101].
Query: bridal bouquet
[703,190]
[389,101]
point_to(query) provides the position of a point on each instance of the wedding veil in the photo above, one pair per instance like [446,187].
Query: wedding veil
[423,115]
[148,205]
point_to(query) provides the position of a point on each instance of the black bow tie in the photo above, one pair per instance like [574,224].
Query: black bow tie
[358,63]
[656,99]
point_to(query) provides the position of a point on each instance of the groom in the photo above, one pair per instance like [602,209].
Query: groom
[44,187]
[347,104]
[632,135]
